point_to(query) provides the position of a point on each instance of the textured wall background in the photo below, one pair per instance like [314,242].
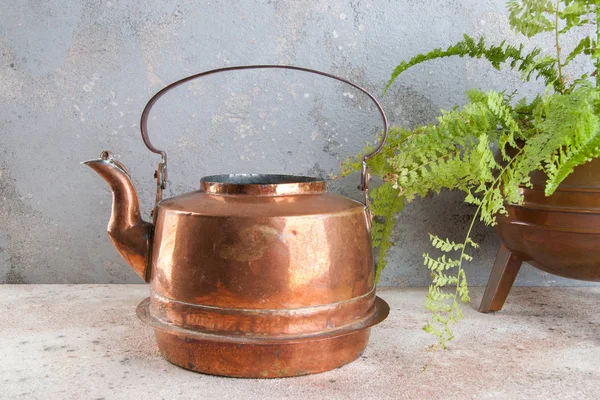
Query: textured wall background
[76,74]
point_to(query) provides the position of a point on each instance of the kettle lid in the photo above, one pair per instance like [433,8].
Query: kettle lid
[262,184]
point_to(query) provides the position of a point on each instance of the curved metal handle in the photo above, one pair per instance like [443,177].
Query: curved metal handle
[161,173]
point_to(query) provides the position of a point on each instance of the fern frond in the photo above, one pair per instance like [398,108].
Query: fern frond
[553,133]
[527,63]
[443,305]
[444,244]
[585,46]
[531,17]
[386,203]
[569,160]
[576,13]
[573,124]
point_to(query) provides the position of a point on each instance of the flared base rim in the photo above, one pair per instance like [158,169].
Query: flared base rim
[376,314]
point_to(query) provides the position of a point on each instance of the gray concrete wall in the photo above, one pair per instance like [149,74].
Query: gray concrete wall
[76,74]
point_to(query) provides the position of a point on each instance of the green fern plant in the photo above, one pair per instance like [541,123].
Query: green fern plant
[554,133]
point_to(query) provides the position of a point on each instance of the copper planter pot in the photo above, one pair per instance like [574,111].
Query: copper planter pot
[559,234]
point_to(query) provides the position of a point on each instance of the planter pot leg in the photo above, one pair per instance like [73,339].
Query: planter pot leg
[505,269]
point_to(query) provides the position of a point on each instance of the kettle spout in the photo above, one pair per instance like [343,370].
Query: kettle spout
[130,235]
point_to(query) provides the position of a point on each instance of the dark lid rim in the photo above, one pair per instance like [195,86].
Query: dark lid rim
[259,179]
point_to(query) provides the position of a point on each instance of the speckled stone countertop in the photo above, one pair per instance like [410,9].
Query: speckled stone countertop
[85,342]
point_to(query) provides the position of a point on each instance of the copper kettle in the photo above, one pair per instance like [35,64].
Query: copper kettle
[257,276]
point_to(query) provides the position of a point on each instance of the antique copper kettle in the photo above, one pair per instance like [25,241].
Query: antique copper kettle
[256,276]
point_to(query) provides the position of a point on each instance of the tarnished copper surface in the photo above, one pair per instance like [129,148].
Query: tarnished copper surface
[261,360]
[252,275]
[282,185]
[127,231]
[263,356]
[261,321]
[261,251]
[559,234]
[248,276]
[505,270]
[376,313]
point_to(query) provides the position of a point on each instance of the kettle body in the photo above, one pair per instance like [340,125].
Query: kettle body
[251,275]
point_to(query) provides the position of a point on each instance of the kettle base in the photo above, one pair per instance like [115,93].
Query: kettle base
[251,360]
[258,356]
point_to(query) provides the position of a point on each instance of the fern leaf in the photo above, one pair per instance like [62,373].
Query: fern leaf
[572,129]
[531,17]
[386,203]
[585,46]
[526,63]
